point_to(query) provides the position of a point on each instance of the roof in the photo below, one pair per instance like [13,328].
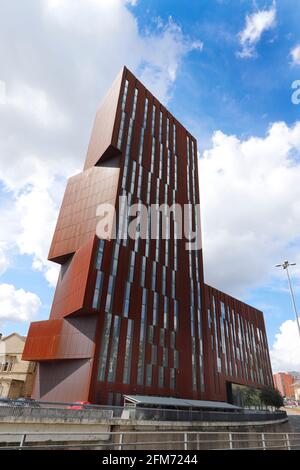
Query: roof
[180,402]
[4,338]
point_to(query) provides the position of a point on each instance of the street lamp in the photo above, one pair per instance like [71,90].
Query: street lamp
[285,265]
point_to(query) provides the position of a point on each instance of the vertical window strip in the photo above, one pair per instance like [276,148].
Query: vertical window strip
[152,155]
[114,351]
[128,352]
[154,355]
[98,289]
[161,377]
[155,308]
[154,269]
[143,271]
[100,254]
[133,174]
[104,347]
[125,95]
[153,120]
[123,115]
[166,312]
[140,179]
[129,139]
[173,289]
[160,161]
[148,188]
[175,315]
[168,167]
[172,379]
[167,132]
[174,139]
[110,294]
[132,266]
[149,375]
[142,138]
[160,126]
[127,299]
[141,356]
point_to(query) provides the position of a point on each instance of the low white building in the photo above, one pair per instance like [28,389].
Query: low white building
[16,376]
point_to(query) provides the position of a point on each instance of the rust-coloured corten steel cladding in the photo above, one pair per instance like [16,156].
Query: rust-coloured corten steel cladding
[134,315]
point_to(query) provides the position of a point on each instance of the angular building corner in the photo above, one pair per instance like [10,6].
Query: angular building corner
[134,316]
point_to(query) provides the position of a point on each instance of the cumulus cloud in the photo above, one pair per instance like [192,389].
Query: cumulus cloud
[285,353]
[68,55]
[17,304]
[256,24]
[295,55]
[250,199]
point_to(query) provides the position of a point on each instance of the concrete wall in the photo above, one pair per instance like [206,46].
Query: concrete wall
[84,423]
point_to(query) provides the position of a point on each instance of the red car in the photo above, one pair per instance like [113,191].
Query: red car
[79,405]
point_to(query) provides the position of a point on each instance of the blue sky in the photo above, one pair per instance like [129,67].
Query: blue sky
[225,68]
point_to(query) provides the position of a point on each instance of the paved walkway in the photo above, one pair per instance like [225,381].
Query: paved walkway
[294,419]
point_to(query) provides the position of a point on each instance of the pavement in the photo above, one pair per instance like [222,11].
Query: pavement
[294,418]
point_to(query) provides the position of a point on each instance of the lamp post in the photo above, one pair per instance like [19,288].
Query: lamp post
[285,265]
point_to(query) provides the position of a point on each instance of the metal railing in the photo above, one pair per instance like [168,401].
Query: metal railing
[153,440]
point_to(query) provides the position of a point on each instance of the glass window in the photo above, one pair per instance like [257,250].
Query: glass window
[104,347]
[98,289]
[127,299]
[155,308]
[172,379]
[154,354]
[100,254]
[165,357]
[174,138]
[114,351]
[150,334]
[153,120]
[162,337]
[110,292]
[141,355]
[128,352]
[149,375]
[176,359]
[160,377]
[173,339]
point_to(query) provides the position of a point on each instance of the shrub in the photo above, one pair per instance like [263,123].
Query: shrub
[271,397]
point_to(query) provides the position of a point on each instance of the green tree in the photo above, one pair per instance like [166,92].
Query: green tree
[271,397]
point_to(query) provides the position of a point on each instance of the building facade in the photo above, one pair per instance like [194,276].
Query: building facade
[132,314]
[16,375]
[296,390]
[283,382]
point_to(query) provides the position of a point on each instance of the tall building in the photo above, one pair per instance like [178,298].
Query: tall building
[133,315]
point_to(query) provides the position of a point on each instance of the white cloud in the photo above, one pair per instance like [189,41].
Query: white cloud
[2,92]
[37,212]
[3,261]
[285,353]
[164,53]
[69,54]
[17,304]
[250,207]
[256,25]
[295,54]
